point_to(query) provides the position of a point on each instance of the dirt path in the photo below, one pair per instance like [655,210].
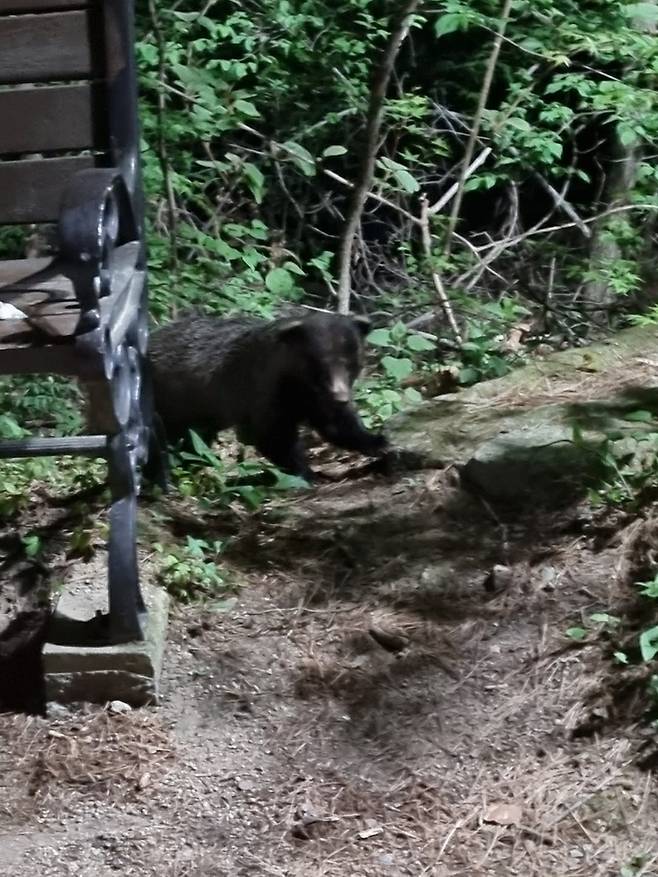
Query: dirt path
[291,741]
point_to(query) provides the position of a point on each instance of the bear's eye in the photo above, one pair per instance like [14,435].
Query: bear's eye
[317,374]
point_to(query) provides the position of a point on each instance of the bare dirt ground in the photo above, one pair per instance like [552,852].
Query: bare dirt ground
[374,704]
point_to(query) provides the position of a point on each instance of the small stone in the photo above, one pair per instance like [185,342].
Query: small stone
[498,579]
[367,833]
[119,707]
[503,813]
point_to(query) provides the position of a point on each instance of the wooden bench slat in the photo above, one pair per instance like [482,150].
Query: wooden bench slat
[15,332]
[52,118]
[28,271]
[54,325]
[13,6]
[58,316]
[50,46]
[61,325]
[30,191]
[28,282]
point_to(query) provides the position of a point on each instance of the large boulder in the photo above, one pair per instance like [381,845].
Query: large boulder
[538,433]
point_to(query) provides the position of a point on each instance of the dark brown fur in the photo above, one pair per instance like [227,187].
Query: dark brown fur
[265,379]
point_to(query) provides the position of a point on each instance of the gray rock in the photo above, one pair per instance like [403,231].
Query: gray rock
[539,463]
[535,435]
[127,672]
[119,707]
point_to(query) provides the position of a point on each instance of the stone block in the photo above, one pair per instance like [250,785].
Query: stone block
[128,672]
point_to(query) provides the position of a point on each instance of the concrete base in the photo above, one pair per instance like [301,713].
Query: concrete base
[129,671]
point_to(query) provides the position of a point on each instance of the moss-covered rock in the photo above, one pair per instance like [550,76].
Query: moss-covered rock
[537,433]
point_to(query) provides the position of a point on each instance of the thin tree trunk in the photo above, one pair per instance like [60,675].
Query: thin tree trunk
[477,121]
[367,170]
[604,249]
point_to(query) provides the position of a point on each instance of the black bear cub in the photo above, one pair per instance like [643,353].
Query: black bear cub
[265,379]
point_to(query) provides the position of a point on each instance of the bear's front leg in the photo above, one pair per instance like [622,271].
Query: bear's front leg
[344,428]
[282,446]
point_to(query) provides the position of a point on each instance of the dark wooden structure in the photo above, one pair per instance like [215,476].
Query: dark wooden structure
[69,155]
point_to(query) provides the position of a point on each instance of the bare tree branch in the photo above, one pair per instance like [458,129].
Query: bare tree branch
[444,301]
[562,204]
[334,176]
[450,193]
[535,230]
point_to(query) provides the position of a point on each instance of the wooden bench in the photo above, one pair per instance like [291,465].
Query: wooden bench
[69,155]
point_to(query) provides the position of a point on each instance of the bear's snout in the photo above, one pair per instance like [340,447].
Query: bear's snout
[340,388]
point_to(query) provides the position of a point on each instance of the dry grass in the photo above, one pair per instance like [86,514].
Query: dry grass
[101,752]
[561,389]
[576,814]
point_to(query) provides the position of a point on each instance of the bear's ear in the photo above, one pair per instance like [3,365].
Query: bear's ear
[290,330]
[362,323]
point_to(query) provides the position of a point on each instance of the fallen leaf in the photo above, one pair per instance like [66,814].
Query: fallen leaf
[503,814]
[515,338]
[389,639]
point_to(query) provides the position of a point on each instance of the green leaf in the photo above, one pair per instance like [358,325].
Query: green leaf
[256,180]
[298,150]
[577,434]
[380,337]
[198,444]
[301,156]
[406,180]
[398,367]
[649,589]
[279,281]
[419,343]
[333,150]
[628,134]
[253,258]
[247,108]
[32,545]
[639,416]
[468,375]
[576,633]
[604,618]
[411,394]
[621,657]
[9,428]
[284,481]
[649,644]
[448,23]
[294,268]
